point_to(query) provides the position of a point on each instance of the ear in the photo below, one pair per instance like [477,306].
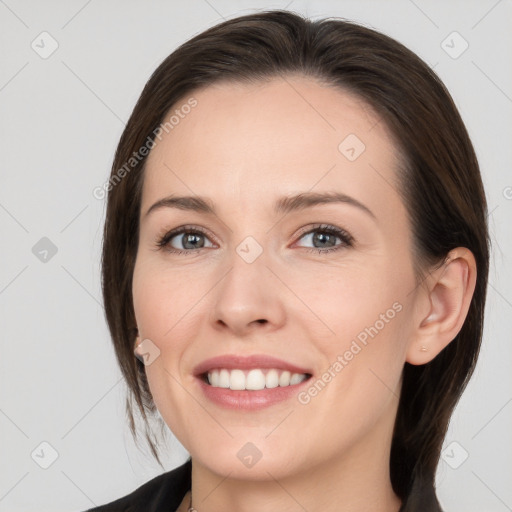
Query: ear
[448,296]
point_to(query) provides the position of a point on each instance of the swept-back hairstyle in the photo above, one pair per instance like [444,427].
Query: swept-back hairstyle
[439,182]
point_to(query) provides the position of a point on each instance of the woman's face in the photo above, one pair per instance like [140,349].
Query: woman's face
[257,280]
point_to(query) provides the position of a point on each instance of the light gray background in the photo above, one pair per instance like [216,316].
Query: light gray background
[61,118]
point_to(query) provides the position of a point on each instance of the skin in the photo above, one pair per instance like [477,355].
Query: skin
[244,146]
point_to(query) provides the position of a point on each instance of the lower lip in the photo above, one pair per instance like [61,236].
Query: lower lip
[250,400]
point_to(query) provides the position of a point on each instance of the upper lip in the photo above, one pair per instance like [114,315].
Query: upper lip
[231,362]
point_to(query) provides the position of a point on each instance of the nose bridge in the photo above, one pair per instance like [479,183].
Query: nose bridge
[246,293]
[251,250]
[252,242]
[250,236]
[248,266]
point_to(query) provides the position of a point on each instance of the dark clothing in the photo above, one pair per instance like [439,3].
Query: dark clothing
[163,493]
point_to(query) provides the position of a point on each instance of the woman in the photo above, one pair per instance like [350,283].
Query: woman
[298,377]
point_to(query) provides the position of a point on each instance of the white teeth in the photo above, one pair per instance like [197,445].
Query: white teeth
[272,379]
[295,379]
[224,379]
[284,379]
[213,377]
[237,380]
[253,380]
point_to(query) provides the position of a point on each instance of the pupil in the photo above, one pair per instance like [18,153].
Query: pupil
[322,237]
[189,239]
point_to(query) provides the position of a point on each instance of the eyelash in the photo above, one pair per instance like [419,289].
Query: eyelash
[346,238]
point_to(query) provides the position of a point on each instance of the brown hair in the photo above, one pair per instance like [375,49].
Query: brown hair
[440,185]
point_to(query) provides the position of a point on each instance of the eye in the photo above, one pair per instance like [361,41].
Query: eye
[327,237]
[190,240]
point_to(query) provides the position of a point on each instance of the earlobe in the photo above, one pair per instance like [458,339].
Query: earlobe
[450,292]
[138,341]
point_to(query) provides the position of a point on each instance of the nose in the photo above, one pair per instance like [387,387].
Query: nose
[249,296]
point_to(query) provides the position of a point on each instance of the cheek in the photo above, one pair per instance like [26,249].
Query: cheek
[160,298]
[363,313]
[362,359]
[350,300]
[164,302]
[172,403]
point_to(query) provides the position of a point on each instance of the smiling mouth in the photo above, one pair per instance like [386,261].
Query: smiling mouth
[252,380]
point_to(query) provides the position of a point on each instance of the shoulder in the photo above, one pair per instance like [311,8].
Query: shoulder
[164,492]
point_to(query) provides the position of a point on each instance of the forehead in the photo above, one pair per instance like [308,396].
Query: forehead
[243,142]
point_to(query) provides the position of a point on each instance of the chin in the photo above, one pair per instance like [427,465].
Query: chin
[266,468]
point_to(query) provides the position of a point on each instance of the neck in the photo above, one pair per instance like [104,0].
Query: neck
[357,481]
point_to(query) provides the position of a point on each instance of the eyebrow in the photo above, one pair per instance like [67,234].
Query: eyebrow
[283,205]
